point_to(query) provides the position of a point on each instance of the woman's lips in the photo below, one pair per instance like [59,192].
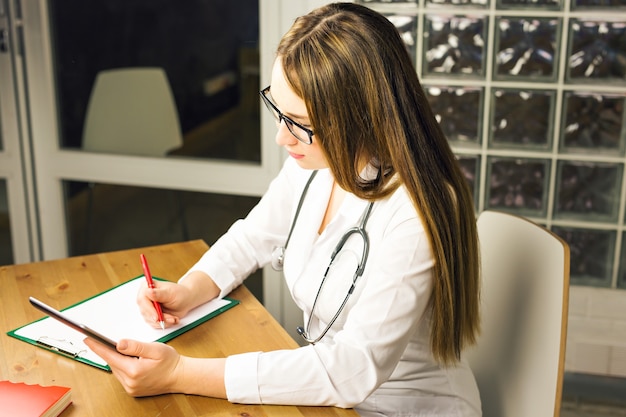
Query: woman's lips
[296,155]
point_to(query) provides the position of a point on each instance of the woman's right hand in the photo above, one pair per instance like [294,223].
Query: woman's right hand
[176,299]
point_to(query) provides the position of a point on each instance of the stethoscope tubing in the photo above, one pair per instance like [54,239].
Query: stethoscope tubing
[360,229]
[279,253]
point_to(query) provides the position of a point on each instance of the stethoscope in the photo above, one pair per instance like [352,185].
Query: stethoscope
[278,256]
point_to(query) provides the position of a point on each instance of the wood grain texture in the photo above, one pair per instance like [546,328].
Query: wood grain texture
[61,283]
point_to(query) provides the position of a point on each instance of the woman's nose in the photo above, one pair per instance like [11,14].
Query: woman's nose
[283,136]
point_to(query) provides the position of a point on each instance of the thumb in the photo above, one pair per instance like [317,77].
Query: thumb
[154,350]
[134,348]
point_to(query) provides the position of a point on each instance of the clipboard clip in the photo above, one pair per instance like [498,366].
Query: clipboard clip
[64,347]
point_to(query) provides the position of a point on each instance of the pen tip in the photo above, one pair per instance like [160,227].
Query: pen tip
[162,323]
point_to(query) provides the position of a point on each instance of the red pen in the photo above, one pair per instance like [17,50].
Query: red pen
[146,273]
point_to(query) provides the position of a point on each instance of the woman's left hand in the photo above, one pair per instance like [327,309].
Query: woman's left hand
[143,369]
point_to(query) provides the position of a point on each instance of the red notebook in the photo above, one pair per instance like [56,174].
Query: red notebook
[23,400]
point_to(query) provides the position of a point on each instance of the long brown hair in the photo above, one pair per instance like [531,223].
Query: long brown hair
[365,102]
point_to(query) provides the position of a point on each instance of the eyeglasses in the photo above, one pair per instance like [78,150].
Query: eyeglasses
[300,132]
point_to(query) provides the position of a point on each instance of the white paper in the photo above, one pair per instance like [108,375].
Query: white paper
[114,314]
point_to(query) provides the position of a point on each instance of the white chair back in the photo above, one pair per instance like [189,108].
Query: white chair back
[132,111]
[519,359]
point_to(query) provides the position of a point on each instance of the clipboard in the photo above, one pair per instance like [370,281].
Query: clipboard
[113,313]
[112,344]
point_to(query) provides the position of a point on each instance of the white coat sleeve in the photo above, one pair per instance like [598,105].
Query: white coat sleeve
[249,242]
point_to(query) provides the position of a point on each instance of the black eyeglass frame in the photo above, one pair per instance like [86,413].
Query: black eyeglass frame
[288,121]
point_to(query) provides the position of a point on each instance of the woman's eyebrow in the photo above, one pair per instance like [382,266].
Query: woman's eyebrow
[295,117]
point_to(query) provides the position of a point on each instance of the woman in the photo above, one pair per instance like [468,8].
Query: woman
[350,108]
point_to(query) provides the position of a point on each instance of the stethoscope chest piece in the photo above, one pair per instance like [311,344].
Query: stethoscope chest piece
[278,257]
[278,254]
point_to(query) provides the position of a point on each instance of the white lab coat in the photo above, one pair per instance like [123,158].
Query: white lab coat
[377,356]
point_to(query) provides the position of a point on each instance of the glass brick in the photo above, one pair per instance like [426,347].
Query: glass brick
[519,185]
[621,277]
[521,118]
[591,255]
[481,3]
[458,111]
[598,4]
[407,26]
[387,1]
[510,4]
[526,47]
[593,123]
[588,190]
[6,248]
[454,45]
[470,165]
[597,52]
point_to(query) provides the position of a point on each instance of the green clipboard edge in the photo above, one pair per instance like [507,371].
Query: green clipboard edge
[167,338]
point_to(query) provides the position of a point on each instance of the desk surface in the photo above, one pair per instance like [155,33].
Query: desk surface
[61,283]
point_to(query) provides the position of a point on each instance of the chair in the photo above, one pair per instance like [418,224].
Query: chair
[131,111]
[519,358]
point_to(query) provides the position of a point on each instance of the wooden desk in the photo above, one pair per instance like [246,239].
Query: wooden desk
[61,283]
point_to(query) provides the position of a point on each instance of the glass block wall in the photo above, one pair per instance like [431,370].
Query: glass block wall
[531,95]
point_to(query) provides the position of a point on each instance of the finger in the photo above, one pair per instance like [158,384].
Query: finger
[170,319]
[147,311]
[163,293]
[150,315]
[118,362]
[138,349]
[109,355]
[145,297]
[152,319]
